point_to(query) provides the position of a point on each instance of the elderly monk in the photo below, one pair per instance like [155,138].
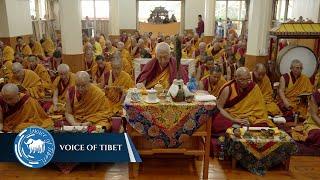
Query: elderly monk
[109,50]
[261,79]
[7,52]
[40,70]
[99,69]
[188,51]
[136,51]
[27,81]
[36,48]
[200,51]
[161,70]
[116,82]
[125,58]
[240,101]
[96,46]
[64,80]
[311,127]
[216,52]
[292,85]
[87,103]
[23,47]
[89,62]
[213,82]
[19,111]
[47,45]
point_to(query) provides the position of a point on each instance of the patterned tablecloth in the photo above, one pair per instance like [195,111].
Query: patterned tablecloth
[167,123]
[258,153]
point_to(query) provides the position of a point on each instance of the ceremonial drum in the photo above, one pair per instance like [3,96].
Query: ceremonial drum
[304,54]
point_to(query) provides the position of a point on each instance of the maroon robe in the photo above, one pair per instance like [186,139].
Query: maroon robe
[152,69]
[313,138]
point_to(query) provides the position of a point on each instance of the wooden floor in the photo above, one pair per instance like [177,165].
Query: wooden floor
[301,167]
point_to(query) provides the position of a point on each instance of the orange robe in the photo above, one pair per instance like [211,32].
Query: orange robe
[48,47]
[32,84]
[90,107]
[243,105]
[294,88]
[27,112]
[213,89]
[187,54]
[124,82]
[8,53]
[24,49]
[37,49]
[266,89]
[126,61]
[6,70]
[62,87]
[97,73]
[42,72]
[89,67]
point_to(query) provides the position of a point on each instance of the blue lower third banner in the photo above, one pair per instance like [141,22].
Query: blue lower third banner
[67,147]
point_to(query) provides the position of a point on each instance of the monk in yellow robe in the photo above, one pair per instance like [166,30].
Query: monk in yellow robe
[5,68]
[48,46]
[19,111]
[203,71]
[36,48]
[99,69]
[195,41]
[216,52]
[259,77]
[18,57]
[311,126]
[23,47]
[125,58]
[200,51]
[87,103]
[160,70]
[41,71]
[240,101]
[213,82]
[188,51]
[7,52]
[89,61]
[96,47]
[292,85]
[63,81]
[116,82]
[27,81]
[109,50]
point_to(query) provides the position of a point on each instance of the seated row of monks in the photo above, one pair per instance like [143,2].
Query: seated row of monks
[84,102]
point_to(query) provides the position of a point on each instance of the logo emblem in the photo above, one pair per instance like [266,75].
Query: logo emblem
[34,147]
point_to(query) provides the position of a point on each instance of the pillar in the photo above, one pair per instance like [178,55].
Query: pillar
[15,20]
[259,24]
[209,19]
[71,34]
[114,28]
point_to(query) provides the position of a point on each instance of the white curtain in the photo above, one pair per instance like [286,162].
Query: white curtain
[307,9]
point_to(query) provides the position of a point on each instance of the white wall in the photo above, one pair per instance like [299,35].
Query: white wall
[18,17]
[307,9]
[127,15]
[4,29]
[192,9]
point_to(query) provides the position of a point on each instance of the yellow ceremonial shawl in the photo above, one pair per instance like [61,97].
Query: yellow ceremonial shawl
[163,79]
[102,42]
[8,53]
[216,57]
[126,61]
[32,83]
[187,54]
[91,107]
[124,82]
[302,85]
[42,72]
[48,46]
[214,89]
[251,107]
[97,49]
[27,112]
[6,70]
[62,88]
[97,73]
[266,90]
[37,49]
[26,50]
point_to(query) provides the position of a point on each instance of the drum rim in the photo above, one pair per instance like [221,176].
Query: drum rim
[291,47]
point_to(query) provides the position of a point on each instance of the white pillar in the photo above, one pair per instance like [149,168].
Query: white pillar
[71,32]
[114,28]
[258,27]
[209,17]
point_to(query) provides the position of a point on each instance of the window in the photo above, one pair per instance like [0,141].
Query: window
[32,4]
[95,8]
[145,7]
[42,8]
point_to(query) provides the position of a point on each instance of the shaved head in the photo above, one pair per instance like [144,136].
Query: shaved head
[243,77]
[242,71]
[259,71]
[16,67]
[82,76]
[63,68]
[260,67]
[163,47]
[9,89]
